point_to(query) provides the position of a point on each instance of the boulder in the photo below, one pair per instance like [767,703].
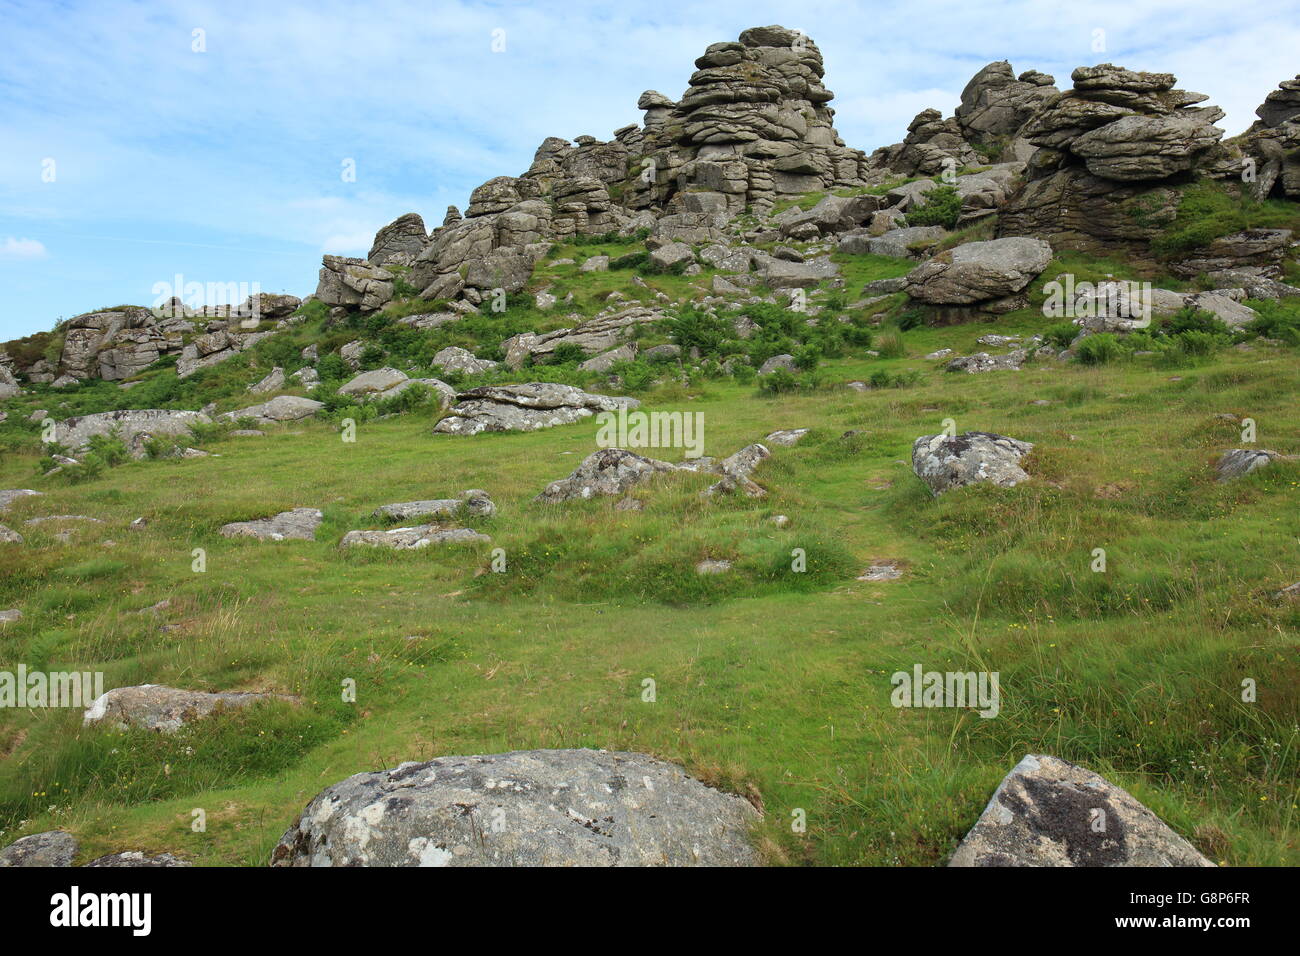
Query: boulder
[282,408]
[1049,812]
[162,709]
[136,858]
[979,271]
[9,495]
[300,523]
[1242,461]
[456,359]
[354,282]
[984,362]
[610,472]
[945,462]
[373,383]
[273,382]
[525,808]
[736,470]
[405,236]
[9,536]
[529,407]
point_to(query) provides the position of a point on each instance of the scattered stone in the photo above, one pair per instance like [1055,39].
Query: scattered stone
[786,438]
[300,523]
[564,807]
[10,616]
[9,536]
[713,566]
[610,472]
[136,858]
[984,362]
[409,539]
[1242,461]
[163,709]
[273,382]
[1044,813]
[455,359]
[881,572]
[736,470]
[473,502]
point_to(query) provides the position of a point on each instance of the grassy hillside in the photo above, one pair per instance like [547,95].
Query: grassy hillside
[770,683]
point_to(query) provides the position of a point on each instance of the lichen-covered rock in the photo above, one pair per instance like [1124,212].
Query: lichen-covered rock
[405,236]
[1242,461]
[354,282]
[525,808]
[375,382]
[945,462]
[9,495]
[132,426]
[473,502]
[1049,812]
[456,359]
[410,539]
[162,709]
[282,408]
[136,858]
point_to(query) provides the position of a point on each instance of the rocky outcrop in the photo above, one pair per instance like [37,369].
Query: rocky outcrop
[1109,149]
[598,334]
[399,242]
[212,348]
[299,523]
[1049,812]
[133,426]
[162,709]
[1273,143]
[525,808]
[945,462]
[118,343]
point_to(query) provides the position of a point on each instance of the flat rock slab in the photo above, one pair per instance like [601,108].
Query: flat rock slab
[133,426]
[528,407]
[786,437]
[1049,812]
[162,709]
[300,523]
[409,539]
[525,808]
[138,859]
[55,848]
[945,462]
[10,495]
[282,408]
[979,271]
[1242,461]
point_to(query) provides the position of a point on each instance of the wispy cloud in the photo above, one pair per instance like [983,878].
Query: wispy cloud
[230,161]
[13,248]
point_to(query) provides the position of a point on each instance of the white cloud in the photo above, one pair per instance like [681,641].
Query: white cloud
[22,249]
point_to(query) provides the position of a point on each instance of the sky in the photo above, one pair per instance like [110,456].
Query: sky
[233,143]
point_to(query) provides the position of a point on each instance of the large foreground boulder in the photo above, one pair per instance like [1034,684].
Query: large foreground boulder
[945,462]
[529,407]
[162,709]
[525,808]
[55,848]
[1049,812]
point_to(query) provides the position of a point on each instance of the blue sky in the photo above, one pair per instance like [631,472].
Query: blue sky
[225,165]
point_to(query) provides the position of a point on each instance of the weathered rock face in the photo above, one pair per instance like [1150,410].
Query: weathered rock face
[118,343]
[500,408]
[1273,143]
[608,472]
[55,848]
[1107,151]
[399,242]
[979,272]
[1049,812]
[213,348]
[456,359]
[162,709]
[300,523]
[133,426]
[995,103]
[945,462]
[526,808]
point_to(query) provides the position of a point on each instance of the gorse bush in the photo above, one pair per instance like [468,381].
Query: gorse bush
[941,206]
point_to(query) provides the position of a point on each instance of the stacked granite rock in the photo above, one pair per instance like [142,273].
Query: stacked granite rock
[1273,142]
[1111,155]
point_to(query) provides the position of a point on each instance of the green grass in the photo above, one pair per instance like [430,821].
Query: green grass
[770,683]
